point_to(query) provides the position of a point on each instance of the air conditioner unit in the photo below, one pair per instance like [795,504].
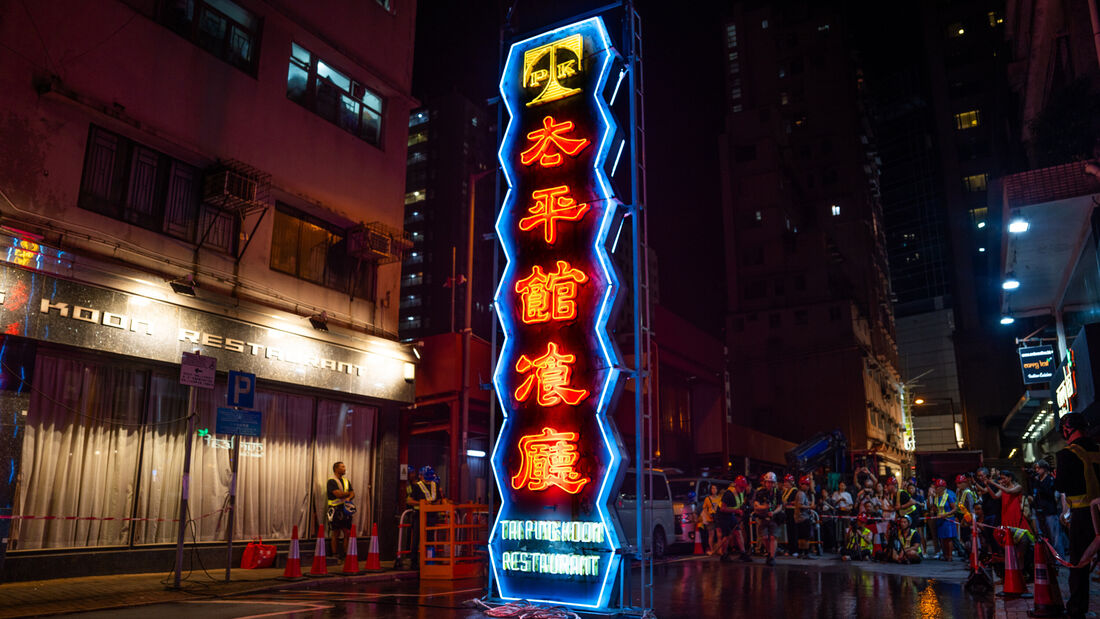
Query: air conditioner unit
[230,190]
[375,241]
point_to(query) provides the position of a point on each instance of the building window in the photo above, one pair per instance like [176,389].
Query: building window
[994,19]
[418,137]
[975,182]
[758,216]
[413,279]
[386,4]
[417,157]
[968,120]
[416,196]
[317,251]
[221,27]
[764,24]
[956,30]
[731,36]
[418,118]
[334,96]
[131,182]
[835,209]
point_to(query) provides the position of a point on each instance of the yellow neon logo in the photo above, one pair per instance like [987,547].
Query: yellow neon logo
[557,68]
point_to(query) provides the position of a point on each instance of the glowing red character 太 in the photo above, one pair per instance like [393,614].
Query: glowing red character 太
[550,143]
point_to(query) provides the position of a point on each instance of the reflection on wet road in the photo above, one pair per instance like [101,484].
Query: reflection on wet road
[684,588]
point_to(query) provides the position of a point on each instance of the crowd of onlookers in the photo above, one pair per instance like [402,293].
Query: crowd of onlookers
[885,519]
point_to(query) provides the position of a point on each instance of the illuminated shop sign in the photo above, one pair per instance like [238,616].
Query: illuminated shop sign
[42,307]
[1067,386]
[1037,364]
[558,455]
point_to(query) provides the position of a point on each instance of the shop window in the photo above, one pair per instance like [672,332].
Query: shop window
[333,95]
[131,182]
[221,27]
[975,182]
[79,453]
[316,251]
[968,120]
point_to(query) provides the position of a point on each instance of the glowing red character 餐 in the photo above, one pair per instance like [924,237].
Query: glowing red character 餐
[549,459]
[550,143]
[550,376]
[550,296]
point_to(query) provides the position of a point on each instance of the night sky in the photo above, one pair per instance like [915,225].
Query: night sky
[457,45]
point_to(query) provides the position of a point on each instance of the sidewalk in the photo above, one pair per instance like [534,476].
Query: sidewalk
[68,595]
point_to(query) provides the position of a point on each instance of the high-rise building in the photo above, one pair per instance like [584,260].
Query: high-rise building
[451,142]
[222,177]
[810,325]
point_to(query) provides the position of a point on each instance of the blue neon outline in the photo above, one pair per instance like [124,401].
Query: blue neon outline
[508,243]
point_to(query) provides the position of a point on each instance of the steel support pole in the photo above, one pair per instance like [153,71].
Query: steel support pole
[236,453]
[185,486]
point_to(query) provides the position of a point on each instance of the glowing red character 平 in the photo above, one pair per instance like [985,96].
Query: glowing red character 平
[551,205]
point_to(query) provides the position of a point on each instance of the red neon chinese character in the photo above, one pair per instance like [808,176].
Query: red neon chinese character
[551,374]
[551,296]
[546,460]
[551,133]
[551,205]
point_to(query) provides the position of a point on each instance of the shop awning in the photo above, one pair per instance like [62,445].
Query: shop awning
[1030,417]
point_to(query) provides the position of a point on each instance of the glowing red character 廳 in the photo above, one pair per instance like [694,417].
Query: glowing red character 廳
[548,459]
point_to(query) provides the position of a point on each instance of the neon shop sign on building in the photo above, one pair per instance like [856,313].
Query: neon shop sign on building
[558,455]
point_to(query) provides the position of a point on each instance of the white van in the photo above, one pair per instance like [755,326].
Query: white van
[659,516]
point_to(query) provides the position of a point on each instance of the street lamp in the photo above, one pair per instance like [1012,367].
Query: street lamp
[918,401]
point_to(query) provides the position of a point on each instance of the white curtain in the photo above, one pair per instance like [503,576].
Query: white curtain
[273,479]
[80,452]
[345,433]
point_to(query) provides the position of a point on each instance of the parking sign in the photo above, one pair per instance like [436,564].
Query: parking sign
[242,389]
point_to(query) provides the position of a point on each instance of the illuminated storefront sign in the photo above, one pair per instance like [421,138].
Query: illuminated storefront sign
[1067,387]
[46,308]
[558,456]
[1037,364]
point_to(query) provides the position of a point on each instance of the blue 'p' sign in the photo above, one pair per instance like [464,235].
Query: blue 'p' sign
[242,389]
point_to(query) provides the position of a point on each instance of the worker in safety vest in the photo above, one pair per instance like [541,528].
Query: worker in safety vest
[341,509]
[907,546]
[964,509]
[945,505]
[728,517]
[859,541]
[789,534]
[1078,478]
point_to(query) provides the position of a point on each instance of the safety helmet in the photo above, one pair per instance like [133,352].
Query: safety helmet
[741,482]
[427,473]
[1001,535]
[1074,421]
[769,476]
[961,479]
[788,478]
[863,519]
[891,480]
[805,481]
[907,519]
[940,483]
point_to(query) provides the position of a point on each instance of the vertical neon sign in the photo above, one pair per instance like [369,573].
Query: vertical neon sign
[558,455]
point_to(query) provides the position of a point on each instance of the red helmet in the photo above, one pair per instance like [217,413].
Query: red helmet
[961,479]
[891,480]
[741,482]
[1001,535]
[940,483]
[805,481]
[788,478]
[863,519]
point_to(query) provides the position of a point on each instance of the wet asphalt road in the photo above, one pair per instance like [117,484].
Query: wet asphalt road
[684,588]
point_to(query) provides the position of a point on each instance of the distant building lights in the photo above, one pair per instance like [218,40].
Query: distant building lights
[1018,225]
[981,224]
[981,250]
[1011,283]
[962,31]
[836,210]
[1007,320]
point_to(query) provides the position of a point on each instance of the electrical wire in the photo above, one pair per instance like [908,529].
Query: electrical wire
[523,609]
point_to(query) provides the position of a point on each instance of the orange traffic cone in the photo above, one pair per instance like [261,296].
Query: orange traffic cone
[351,561]
[374,562]
[293,569]
[1048,598]
[698,542]
[876,542]
[320,568]
[1013,585]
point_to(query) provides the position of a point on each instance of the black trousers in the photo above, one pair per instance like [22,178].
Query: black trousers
[1080,536]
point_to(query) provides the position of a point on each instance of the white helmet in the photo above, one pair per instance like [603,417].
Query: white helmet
[769,476]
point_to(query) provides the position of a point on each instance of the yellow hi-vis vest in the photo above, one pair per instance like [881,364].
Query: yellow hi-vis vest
[908,510]
[344,483]
[907,540]
[1090,460]
[864,543]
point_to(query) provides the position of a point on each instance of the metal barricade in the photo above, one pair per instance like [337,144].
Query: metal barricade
[449,538]
[403,553]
